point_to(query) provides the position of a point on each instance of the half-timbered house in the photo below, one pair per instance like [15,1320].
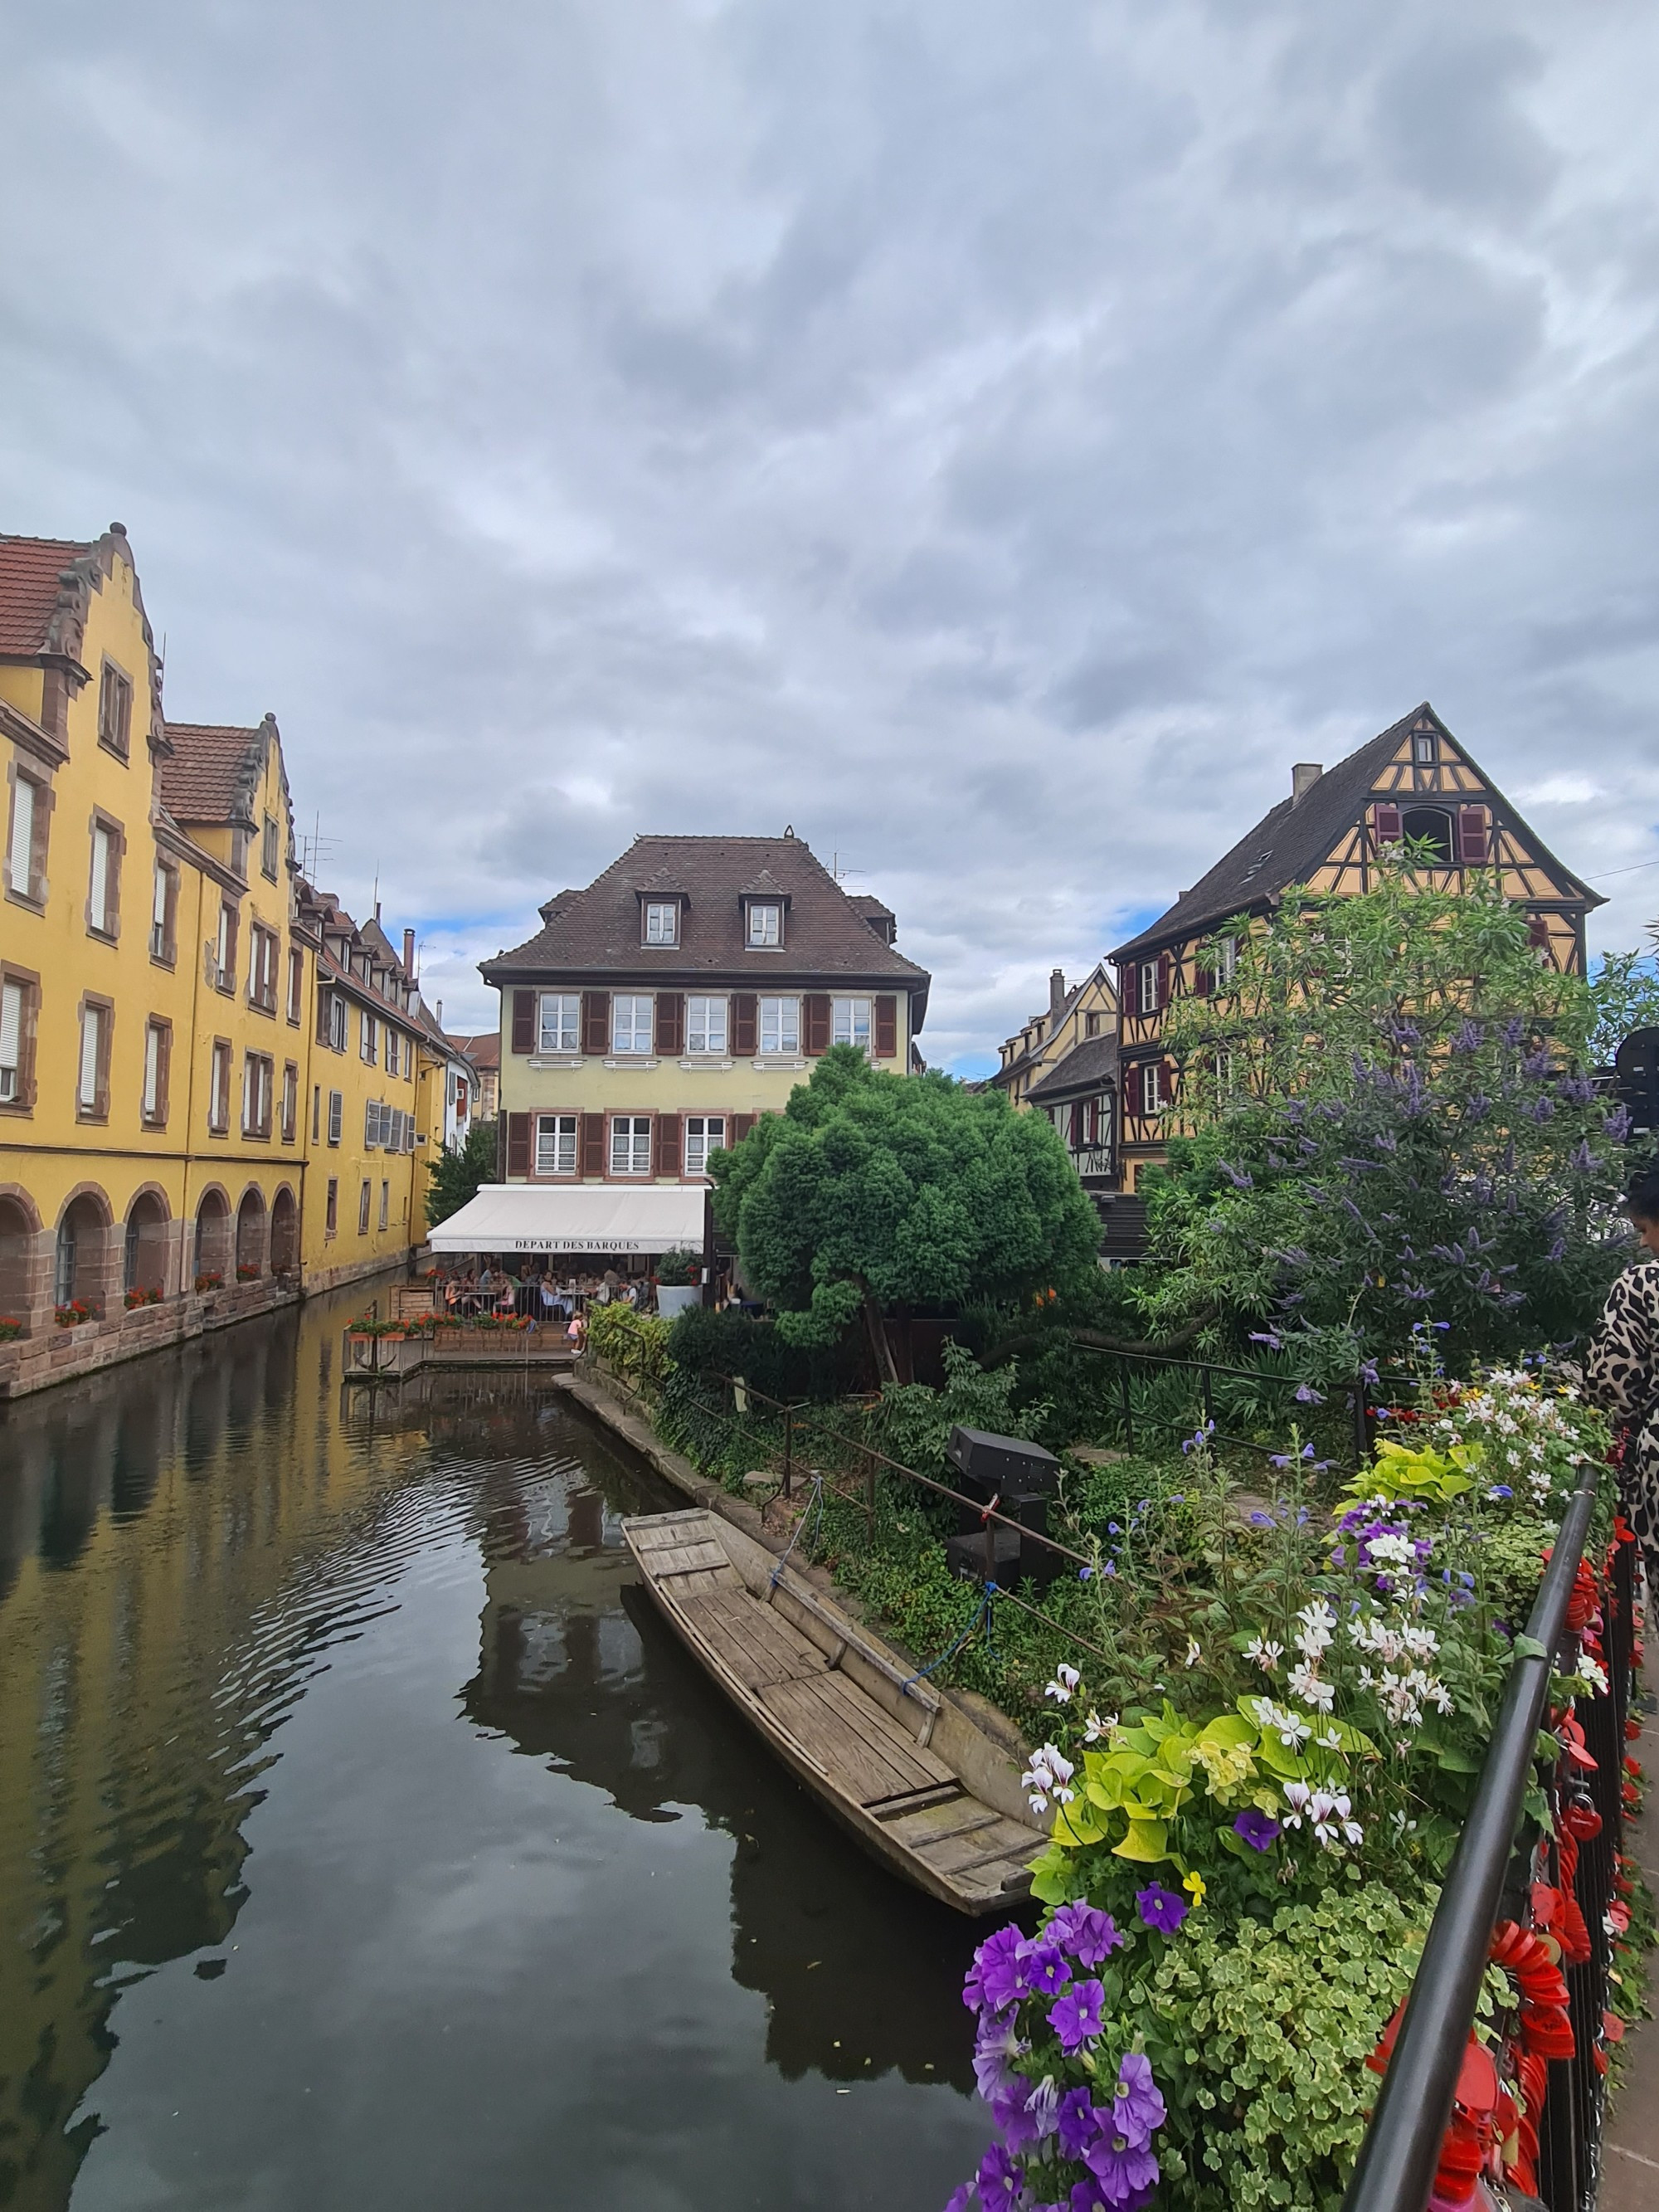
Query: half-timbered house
[1415,781]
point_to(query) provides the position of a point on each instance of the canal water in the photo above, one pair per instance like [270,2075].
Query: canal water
[365,1841]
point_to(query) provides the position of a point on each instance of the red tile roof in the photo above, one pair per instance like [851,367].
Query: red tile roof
[483,1051]
[30,569]
[211,769]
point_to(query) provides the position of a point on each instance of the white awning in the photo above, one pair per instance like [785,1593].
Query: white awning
[594,1218]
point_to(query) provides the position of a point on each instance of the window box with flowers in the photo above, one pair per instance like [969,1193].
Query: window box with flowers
[135,1298]
[77,1310]
[209,1283]
[248,1271]
[11,1328]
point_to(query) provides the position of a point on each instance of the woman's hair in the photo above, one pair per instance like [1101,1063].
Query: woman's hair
[1642,1194]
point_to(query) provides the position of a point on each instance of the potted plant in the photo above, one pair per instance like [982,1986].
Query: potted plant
[11,1328]
[679,1281]
[135,1298]
[73,1313]
[210,1282]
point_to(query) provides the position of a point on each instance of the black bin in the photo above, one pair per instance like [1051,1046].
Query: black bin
[1021,1477]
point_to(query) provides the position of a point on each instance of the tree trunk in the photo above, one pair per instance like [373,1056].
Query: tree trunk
[887,1372]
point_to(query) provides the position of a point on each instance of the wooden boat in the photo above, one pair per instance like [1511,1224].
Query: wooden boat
[921,1784]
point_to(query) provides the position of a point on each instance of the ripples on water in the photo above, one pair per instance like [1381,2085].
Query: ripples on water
[365,1839]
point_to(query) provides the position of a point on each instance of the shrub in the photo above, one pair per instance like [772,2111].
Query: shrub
[679,1268]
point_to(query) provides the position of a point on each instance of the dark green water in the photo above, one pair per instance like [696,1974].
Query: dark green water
[365,1841]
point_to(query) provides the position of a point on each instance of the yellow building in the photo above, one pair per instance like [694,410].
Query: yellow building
[687,990]
[160,1009]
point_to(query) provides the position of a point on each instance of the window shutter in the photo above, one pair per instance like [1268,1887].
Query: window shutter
[887,1028]
[1472,837]
[23,837]
[322,999]
[1538,932]
[233,926]
[668,1141]
[592,1143]
[11,1035]
[1163,981]
[741,1125]
[670,1027]
[596,1023]
[1077,1124]
[1203,980]
[745,1025]
[815,1011]
[1385,824]
[517,1144]
[98,898]
[524,1021]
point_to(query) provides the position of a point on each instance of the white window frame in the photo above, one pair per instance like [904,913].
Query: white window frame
[765,930]
[152,1107]
[1423,748]
[631,1144]
[559,1021]
[708,1026]
[849,1022]
[227,981]
[368,1037]
[784,1021]
[632,1026]
[1146,987]
[704,1132]
[92,1046]
[662,922]
[339,1019]
[556,1144]
[364,1200]
[386,1205]
[100,888]
[1152,1100]
[336,1115]
[1226,961]
[219,1089]
[26,795]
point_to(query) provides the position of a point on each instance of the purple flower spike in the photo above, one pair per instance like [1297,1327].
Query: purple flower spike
[1087,1933]
[993,1983]
[1137,2106]
[1078,2016]
[1161,1908]
[1043,1969]
[1079,2123]
[1258,1830]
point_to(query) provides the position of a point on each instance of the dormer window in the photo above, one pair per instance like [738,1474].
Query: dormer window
[1422,748]
[662,922]
[765,922]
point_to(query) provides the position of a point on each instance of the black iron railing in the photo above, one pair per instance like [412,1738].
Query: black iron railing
[1355,1397]
[1398,2159]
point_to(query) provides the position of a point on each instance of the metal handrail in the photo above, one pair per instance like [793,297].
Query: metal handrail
[1395,2169]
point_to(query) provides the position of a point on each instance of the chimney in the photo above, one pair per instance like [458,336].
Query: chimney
[409,954]
[1056,992]
[441,1014]
[1304,776]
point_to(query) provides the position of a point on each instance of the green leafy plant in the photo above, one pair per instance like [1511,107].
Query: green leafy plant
[678,1268]
[459,1172]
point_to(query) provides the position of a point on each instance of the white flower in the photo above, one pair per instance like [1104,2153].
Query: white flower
[1296,1795]
[1292,1727]
[1046,1777]
[1267,1655]
[1312,1691]
[1094,1727]
[1318,1628]
[1065,1681]
[1193,1652]
[1594,1673]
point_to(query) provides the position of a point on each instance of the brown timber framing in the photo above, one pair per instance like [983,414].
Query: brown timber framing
[1327,837]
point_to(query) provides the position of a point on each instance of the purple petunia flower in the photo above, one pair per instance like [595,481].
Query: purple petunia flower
[1077,2017]
[1044,1969]
[1126,2172]
[1017,2110]
[1079,2123]
[992,1984]
[1138,2108]
[1258,1830]
[1086,1931]
[959,2200]
[1001,2181]
[995,2045]
[1161,1908]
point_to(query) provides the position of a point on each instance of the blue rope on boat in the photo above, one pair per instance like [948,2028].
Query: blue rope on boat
[818,1501]
[950,1652]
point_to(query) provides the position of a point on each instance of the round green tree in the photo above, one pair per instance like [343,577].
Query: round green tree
[871,1193]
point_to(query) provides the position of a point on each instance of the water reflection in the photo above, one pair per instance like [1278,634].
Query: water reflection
[236,1600]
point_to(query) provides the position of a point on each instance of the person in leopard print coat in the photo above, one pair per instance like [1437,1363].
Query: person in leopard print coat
[1622,1370]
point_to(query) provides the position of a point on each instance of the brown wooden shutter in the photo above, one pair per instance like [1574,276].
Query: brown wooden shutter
[815,1010]
[322,998]
[1538,932]
[887,1028]
[592,1143]
[1163,979]
[1385,824]
[741,1125]
[668,1141]
[1472,837]
[1077,1124]
[1203,980]
[232,935]
[524,1021]
[745,1025]
[596,1023]
[517,1144]
[163,1068]
[670,1025]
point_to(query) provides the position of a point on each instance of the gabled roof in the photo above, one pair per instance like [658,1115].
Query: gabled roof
[214,772]
[596,931]
[1297,836]
[1084,1071]
[484,1052]
[31,585]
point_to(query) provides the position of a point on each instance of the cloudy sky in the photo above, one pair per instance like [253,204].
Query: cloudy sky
[996,439]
